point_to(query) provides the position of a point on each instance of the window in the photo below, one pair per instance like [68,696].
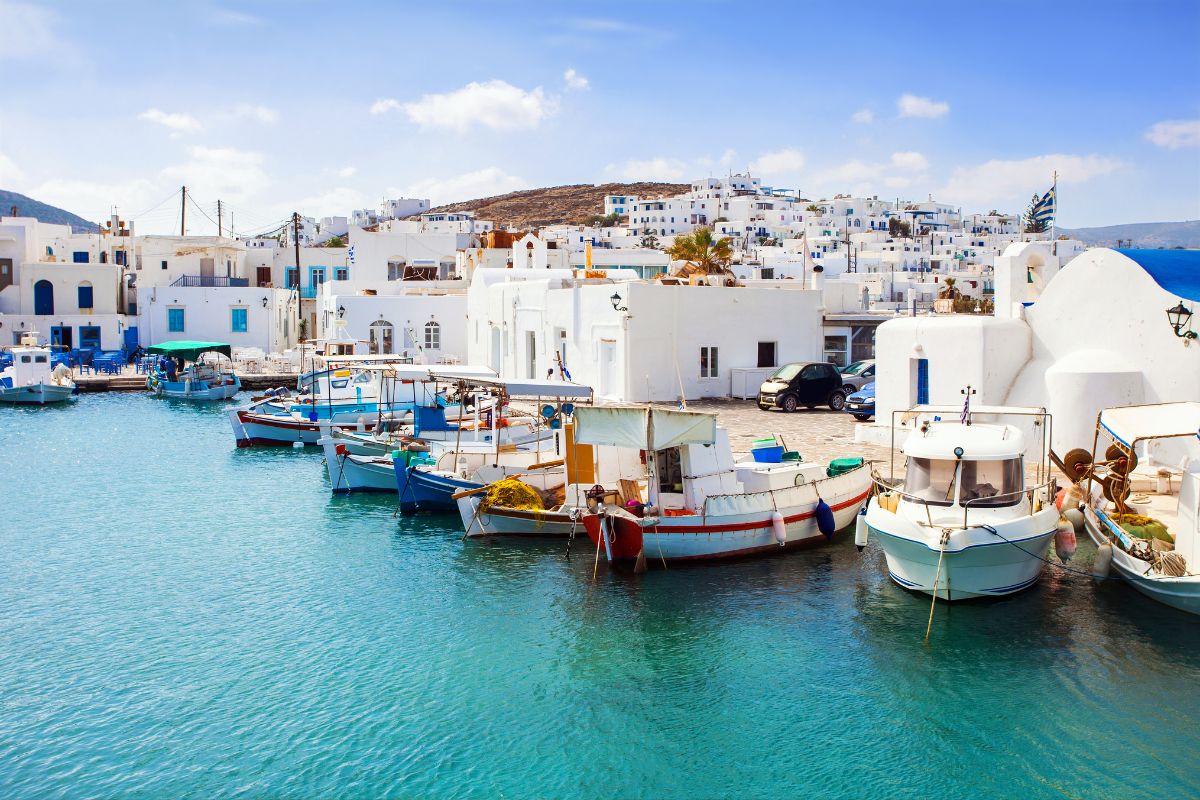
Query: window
[668,468]
[991,484]
[931,480]
[433,336]
[80,257]
[922,381]
[835,349]
[708,362]
[89,336]
[237,320]
[175,320]
[293,278]
[766,354]
[380,339]
[85,296]
[164,264]
[121,257]
[341,274]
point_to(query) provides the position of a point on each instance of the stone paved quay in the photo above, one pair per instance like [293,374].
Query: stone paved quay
[818,435]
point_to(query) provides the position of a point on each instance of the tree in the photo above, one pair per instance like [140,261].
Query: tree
[951,292]
[814,208]
[336,241]
[603,220]
[898,228]
[1032,223]
[650,240]
[704,253]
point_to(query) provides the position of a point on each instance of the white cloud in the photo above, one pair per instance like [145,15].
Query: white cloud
[574,80]
[386,105]
[777,161]
[727,157]
[93,200]
[335,202]
[909,160]
[27,31]
[651,169]
[495,104]
[10,173]
[910,105]
[863,116]
[852,171]
[231,18]
[224,172]
[485,182]
[346,172]
[1008,182]
[261,114]
[1174,134]
[179,123]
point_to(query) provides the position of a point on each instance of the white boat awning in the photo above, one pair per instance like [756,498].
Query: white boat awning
[643,428]
[1129,423]
[537,388]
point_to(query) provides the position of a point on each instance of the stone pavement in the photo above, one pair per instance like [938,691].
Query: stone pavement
[819,435]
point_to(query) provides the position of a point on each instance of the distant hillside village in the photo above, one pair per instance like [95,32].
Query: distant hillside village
[641,304]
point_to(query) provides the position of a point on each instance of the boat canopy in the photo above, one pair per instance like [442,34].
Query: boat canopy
[1127,424]
[536,388]
[979,442]
[188,351]
[428,372]
[642,427]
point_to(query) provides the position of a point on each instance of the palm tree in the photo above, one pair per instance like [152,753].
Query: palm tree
[950,292]
[704,253]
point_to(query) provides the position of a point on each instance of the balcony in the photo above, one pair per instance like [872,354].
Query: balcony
[309,292]
[211,281]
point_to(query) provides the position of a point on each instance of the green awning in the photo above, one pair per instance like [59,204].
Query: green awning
[188,351]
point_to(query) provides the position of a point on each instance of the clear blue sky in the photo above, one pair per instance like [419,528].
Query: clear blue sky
[272,105]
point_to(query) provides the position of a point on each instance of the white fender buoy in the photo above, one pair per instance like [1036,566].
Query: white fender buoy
[297,444]
[1075,516]
[861,531]
[1073,498]
[362,423]
[779,528]
[1103,561]
[1064,540]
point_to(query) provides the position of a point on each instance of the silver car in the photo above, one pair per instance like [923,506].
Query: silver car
[857,375]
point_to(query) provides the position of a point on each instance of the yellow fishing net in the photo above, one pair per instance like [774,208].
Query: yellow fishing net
[512,493]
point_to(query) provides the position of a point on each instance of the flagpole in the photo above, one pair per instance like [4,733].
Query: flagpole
[1054,216]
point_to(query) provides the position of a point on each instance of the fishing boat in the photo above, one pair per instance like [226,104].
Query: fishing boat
[353,393]
[31,379]
[1146,523]
[701,504]
[183,374]
[964,523]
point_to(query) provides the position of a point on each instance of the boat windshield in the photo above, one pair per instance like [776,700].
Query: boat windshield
[992,484]
[931,479]
[786,372]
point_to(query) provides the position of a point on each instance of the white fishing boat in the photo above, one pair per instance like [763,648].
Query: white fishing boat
[184,374]
[1147,529]
[965,523]
[30,379]
[703,505]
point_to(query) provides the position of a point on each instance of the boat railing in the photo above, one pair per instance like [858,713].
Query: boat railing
[1031,491]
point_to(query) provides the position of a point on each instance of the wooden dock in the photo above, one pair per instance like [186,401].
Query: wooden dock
[130,381]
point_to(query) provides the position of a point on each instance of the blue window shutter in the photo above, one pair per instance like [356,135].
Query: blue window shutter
[85,297]
[922,381]
[175,320]
[238,320]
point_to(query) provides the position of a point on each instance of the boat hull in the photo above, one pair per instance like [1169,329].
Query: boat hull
[514,522]
[39,394]
[430,491]
[1181,593]
[976,562]
[250,429]
[698,538]
[187,390]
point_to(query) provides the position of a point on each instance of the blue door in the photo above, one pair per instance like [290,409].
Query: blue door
[60,337]
[131,338]
[43,297]
[922,381]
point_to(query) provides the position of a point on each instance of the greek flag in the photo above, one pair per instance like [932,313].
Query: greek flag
[350,254]
[1045,208]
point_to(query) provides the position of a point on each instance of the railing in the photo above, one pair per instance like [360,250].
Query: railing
[309,292]
[966,506]
[212,281]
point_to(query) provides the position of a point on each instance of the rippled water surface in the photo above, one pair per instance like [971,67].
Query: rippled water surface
[182,618]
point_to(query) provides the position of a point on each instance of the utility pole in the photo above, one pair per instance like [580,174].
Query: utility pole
[296,238]
[219,228]
[183,212]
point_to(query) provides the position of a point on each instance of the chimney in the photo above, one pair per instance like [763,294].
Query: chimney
[818,278]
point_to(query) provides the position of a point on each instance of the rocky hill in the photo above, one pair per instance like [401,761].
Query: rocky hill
[1149,235]
[556,205]
[43,212]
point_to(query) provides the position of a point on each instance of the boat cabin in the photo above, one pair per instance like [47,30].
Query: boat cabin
[952,464]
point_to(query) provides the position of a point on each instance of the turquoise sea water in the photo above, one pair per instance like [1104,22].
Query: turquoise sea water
[179,618]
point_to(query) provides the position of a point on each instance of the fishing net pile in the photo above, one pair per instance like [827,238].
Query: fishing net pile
[512,493]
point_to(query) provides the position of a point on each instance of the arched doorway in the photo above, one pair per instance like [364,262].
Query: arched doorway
[43,297]
[382,336]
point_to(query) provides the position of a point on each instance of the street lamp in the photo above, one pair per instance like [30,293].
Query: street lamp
[1179,316]
[341,312]
[616,302]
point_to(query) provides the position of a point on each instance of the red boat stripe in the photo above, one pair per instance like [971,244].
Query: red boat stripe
[749,526]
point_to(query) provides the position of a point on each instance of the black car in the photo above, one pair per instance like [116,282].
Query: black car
[808,384]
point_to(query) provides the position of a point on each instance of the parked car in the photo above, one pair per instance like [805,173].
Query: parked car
[862,403]
[858,375]
[808,384]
